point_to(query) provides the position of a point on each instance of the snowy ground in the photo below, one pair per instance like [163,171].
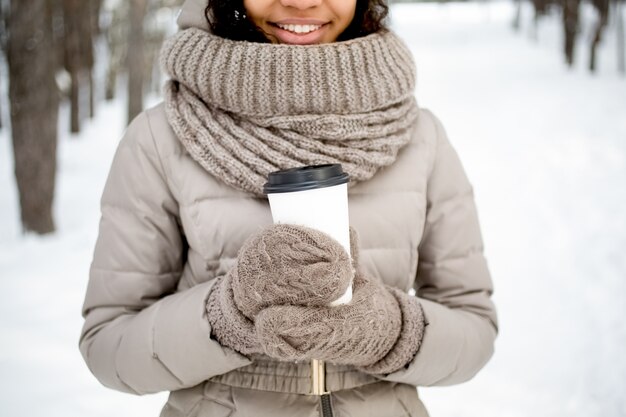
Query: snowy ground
[546,150]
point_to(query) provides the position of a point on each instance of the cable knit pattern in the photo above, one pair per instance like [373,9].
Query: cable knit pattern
[288,264]
[379,331]
[359,333]
[275,301]
[281,264]
[410,339]
[228,325]
[243,109]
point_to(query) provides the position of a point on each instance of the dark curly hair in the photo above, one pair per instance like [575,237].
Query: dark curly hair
[227,18]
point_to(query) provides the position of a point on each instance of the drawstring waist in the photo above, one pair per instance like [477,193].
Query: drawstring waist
[266,374]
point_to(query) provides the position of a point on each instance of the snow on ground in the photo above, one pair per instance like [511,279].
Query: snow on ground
[545,148]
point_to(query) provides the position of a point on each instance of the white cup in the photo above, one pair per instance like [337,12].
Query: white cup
[316,197]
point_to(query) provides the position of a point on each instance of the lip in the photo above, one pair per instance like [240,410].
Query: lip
[311,38]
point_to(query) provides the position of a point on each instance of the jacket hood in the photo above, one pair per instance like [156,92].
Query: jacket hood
[192,15]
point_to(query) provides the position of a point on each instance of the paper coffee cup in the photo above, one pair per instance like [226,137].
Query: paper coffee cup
[314,196]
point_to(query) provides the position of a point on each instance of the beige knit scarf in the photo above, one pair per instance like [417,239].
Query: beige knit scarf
[243,109]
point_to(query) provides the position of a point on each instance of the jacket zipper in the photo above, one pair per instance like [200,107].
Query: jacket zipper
[327,409]
[318,387]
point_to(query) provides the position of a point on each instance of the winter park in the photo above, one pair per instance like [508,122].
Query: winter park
[543,144]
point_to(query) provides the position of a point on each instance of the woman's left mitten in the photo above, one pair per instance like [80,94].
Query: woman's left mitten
[379,331]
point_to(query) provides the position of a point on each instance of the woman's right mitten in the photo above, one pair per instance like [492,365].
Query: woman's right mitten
[228,326]
[287,264]
[281,265]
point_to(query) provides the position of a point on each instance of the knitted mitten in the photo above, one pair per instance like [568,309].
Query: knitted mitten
[289,264]
[281,265]
[228,326]
[379,331]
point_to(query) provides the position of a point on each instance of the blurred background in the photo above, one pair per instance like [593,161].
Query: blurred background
[532,94]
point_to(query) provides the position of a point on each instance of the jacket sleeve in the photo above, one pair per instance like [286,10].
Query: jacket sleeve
[139,336]
[453,283]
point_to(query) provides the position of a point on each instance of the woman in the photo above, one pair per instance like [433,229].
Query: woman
[193,291]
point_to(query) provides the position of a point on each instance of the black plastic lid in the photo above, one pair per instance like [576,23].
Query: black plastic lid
[305,178]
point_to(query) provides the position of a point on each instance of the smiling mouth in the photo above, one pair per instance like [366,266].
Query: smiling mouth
[298,29]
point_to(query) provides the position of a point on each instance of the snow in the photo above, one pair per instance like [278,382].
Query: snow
[544,146]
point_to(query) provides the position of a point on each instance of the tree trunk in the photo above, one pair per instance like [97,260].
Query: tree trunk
[621,59]
[541,9]
[95,7]
[117,37]
[71,40]
[110,84]
[570,28]
[135,58]
[34,110]
[78,22]
[602,6]
[518,15]
[1,111]
[75,102]
[92,92]
[4,16]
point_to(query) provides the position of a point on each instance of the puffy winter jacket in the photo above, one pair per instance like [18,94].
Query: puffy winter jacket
[169,228]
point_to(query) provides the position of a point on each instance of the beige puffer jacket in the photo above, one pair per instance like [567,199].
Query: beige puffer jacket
[168,229]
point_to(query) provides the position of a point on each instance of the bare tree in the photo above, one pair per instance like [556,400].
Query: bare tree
[154,35]
[518,15]
[619,29]
[117,38]
[541,8]
[4,16]
[34,110]
[78,58]
[1,67]
[94,14]
[570,27]
[602,7]
[135,57]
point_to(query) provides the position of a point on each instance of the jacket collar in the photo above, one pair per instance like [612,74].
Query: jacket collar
[192,15]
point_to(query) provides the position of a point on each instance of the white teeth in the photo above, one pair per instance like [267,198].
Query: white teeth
[299,28]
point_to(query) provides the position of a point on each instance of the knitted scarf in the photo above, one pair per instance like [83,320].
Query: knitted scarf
[243,109]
